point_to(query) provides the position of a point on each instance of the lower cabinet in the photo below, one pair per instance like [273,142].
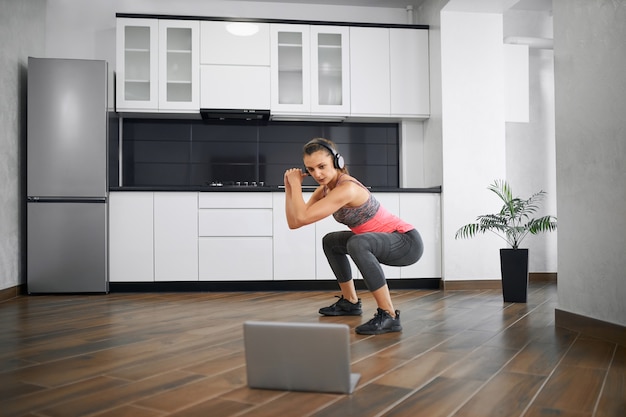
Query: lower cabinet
[235,258]
[176,236]
[242,236]
[235,236]
[294,251]
[131,237]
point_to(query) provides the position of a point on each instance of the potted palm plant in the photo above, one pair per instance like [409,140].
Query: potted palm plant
[512,223]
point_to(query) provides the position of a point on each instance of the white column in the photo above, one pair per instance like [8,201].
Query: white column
[473,134]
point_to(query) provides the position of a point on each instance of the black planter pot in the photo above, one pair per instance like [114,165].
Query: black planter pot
[514,269]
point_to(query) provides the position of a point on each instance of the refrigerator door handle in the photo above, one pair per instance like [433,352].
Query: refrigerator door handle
[32,199]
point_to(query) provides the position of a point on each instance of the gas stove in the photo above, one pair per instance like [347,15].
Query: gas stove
[237,184]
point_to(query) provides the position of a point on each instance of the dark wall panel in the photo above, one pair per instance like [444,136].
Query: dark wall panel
[193,152]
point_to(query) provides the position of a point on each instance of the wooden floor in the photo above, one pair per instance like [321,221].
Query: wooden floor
[462,353]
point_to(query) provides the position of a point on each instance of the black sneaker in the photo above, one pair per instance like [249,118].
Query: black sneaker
[381,323]
[342,307]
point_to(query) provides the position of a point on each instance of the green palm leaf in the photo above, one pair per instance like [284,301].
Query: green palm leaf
[513,222]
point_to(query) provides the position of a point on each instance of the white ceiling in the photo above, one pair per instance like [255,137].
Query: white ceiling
[366,3]
[536,5]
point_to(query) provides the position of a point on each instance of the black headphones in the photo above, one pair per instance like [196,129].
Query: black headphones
[338,161]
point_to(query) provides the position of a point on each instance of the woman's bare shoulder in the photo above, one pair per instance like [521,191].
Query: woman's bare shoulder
[351,187]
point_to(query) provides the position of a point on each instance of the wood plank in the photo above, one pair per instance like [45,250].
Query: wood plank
[481,364]
[119,395]
[590,352]
[20,405]
[571,389]
[439,398]
[507,394]
[286,404]
[195,392]
[612,400]
[419,371]
[368,401]
[537,359]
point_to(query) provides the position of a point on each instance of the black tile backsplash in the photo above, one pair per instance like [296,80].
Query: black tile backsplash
[194,152]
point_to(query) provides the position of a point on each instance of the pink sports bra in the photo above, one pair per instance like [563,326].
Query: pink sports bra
[369,216]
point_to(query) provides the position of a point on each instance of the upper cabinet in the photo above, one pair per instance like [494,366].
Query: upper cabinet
[137,73]
[298,71]
[310,70]
[409,72]
[330,70]
[369,73]
[179,65]
[157,65]
[389,72]
[234,65]
[290,69]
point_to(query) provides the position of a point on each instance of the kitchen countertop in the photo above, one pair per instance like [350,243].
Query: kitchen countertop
[266,188]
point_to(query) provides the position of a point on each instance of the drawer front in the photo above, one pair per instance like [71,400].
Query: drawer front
[235,222]
[235,259]
[235,200]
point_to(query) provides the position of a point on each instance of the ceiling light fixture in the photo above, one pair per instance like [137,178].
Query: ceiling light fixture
[242,28]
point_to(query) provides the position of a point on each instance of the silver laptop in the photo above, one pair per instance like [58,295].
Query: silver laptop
[298,356]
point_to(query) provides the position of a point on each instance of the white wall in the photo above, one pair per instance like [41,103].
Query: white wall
[478,145]
[530,146]
[473,138]
[22,34]
[590,57]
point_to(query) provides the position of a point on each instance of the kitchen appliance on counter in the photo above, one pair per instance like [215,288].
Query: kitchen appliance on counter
[66,156]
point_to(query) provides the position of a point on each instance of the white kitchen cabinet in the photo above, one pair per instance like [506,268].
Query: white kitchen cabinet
[131,240]
[409,72]
[235,65]
[179,66]
[235,258]
[310,69]
[290,56]
[234,87]
[330,70]
[294,250]
[369,71]
[176,236]
[235,43]
[158,65]
[235,236]
[389,72]
[235,221]
[243,236]
[241,200]
[137,71]
[423,211]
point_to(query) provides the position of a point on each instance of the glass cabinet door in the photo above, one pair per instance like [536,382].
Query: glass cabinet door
[330,86]
[137,69]
[290,67]
[179,65]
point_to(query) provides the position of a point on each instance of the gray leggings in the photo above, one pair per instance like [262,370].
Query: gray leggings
[368,251]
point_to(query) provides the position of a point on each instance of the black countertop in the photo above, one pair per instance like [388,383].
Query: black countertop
[265,188]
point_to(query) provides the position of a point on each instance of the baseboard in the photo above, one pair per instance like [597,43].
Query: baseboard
[12,292]
[542,277]
[484,284]
[590,326]
[299,285]
[495,284]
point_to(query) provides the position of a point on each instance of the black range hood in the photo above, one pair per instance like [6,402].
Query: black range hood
[235,114]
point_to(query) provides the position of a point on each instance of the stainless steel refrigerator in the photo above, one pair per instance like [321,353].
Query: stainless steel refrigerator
[66,157]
